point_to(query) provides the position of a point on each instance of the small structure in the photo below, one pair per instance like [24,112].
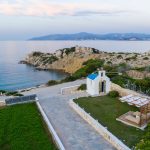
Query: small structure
[139,118]
[98,83]
[2,101]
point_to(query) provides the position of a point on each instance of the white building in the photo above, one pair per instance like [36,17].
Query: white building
[98,83]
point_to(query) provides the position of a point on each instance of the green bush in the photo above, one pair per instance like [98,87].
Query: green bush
[37,54]
[95,51]
[120,80]
[82,87]
[131,58]
[147,68]
[69,50]
[113,94]
[142,85]
[89,67]
[50,59]
[145,58]
[12,93]
[2,91]
[109,62]
[52,82]
[68,79]
[144,144]
[18,94]
[119,57]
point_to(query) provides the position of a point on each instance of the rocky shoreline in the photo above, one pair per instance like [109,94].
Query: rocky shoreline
[67,60]
[71,59]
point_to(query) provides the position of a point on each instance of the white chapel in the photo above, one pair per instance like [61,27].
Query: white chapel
[98,83]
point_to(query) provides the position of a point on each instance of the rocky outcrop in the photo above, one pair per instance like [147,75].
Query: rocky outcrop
[68,59]
[71,59]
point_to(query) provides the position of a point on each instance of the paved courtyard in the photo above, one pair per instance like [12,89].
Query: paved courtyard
[74,132]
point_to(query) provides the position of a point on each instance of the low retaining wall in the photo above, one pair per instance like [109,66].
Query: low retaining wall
[69,89]
[98,127]
[122,91]
[2,104]
[50,127]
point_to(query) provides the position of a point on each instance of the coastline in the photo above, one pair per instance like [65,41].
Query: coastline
[31,88]
[23,62]
[69,60]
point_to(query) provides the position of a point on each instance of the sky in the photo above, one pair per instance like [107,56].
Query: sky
[24,19]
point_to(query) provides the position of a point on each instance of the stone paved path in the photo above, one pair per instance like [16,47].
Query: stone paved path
[74,132]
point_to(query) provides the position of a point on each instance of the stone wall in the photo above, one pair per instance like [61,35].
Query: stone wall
[2,104]
[70,89]
[122,91]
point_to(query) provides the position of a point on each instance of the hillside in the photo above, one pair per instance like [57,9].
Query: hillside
[90,36]
[71,59]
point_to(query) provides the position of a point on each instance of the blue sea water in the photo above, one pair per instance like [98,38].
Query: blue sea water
[18,76]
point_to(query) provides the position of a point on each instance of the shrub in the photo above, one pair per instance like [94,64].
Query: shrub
[82,87]
[113,94]
[95,51]
[145,58]
[97,62]
[48,59]
[90,66]
[2,91]
[131,58]
[69,50]
[120,80]
[12,93]
[109,62]
[119,57]
[144,144]
[68,79]
[37,54]
[123,67]
[147,68]
[18,94]
[51,82]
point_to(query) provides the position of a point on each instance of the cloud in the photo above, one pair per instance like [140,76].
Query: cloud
[98,12]
[43,8]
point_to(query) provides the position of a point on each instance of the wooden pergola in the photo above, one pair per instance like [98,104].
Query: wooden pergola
[143,103]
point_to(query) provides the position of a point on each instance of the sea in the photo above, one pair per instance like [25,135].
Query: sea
[15,76]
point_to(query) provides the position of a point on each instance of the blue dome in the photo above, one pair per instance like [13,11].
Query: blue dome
[92,76]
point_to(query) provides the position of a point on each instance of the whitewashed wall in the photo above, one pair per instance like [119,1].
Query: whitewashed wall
[50,127]
[93,85]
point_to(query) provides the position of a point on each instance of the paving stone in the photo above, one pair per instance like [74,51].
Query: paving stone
[75,133]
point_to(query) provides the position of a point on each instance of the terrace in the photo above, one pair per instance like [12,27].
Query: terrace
[140,118]
[106,109]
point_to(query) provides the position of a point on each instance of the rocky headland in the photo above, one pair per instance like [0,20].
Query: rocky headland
[71,59]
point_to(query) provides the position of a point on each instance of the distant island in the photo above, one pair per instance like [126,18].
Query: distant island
[91,36]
